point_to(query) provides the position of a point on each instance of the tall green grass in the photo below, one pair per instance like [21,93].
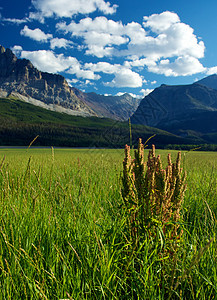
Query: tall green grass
[62,230]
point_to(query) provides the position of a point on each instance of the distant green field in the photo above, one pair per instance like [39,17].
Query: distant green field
[62,234]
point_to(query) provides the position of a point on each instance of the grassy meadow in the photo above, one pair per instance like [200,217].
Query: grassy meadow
[62,230]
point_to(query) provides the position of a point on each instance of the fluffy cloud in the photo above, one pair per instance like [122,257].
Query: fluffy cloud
[103,67]
[161,22]
[68,8]
[101,34]
[136,33]
[35,34]
[166,38]
[182,66]
[60,43]
[162,44]
[99,24]
[98,34]
[126,78]
[123,77]
[145,92]
[47,61]
[71,82]
[177,40]
[99,51]
[211,71]
[134,62]
[81,73]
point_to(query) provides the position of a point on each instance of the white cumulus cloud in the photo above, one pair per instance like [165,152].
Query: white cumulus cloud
[182,66]
[177,40]
[211,71]
[99,35]
[35,34]
[60,43]
[161,22]
[68,8]
[81,73]
[126,78]
[161,44]
[47,61]
[162,36]
[145,92]
[123,77]
[103,67]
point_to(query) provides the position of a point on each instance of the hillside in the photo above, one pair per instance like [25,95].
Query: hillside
[185,110]
[210,81]
[21,122]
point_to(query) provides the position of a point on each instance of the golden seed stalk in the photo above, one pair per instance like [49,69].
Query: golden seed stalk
[151,194]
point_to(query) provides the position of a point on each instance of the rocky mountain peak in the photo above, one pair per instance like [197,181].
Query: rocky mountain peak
[20,78]
[2,49]
[7,61]
[180,109]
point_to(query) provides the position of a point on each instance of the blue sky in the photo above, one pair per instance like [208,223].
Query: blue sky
[117,46]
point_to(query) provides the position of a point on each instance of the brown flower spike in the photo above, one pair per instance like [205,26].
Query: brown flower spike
[152,194]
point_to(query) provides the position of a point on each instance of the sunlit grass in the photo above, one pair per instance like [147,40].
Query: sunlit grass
[62,230]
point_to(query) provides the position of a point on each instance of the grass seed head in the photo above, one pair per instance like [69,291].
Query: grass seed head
[151,192]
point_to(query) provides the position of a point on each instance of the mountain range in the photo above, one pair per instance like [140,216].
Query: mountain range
[185,110]
[181,113]
[19,78]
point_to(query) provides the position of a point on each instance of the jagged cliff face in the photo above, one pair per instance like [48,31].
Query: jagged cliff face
[19,77]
